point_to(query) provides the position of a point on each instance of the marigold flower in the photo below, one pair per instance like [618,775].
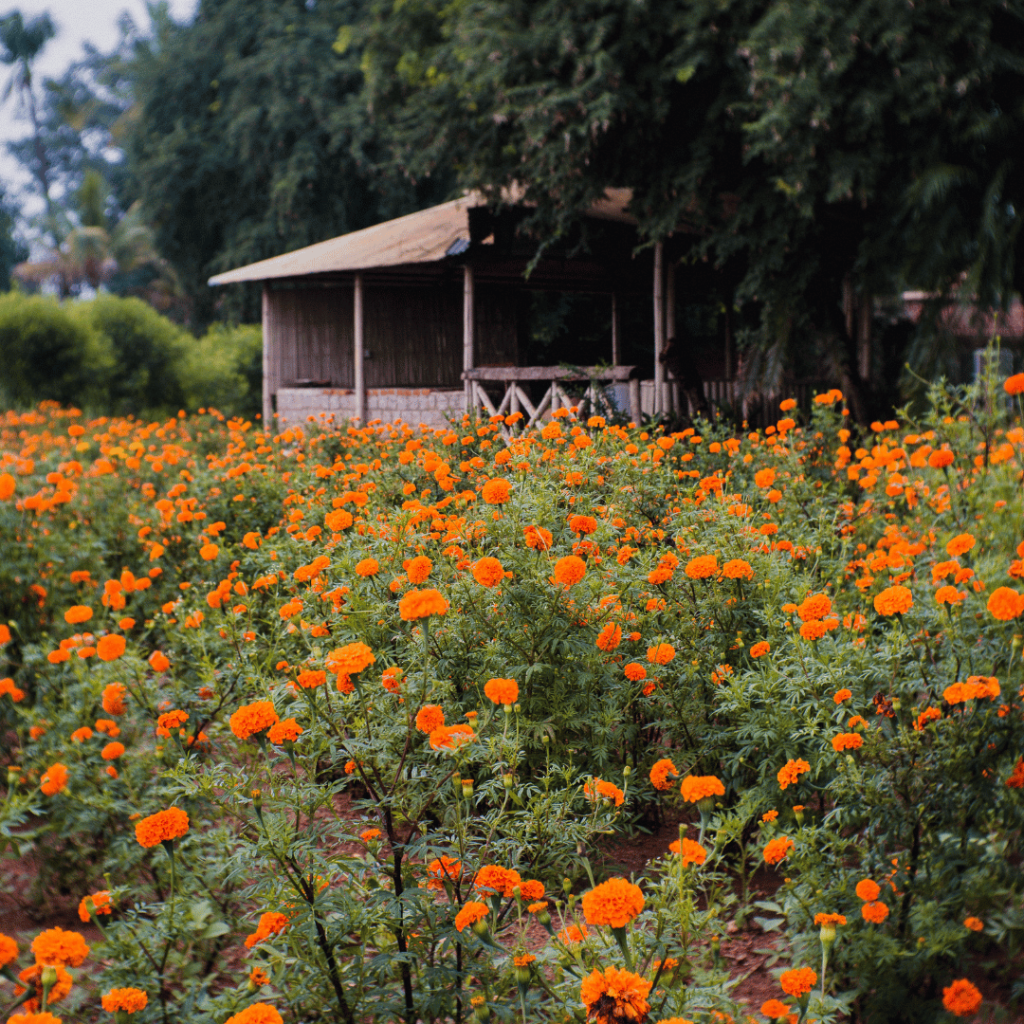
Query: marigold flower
[582,525]
[420,604]
[251,719]
[660,654]
[614,903]
[895,600]
[367,567]
[760,649]
[59,948]
[1016,779]
[501,691]
[418,569]
[54,780]
[1014,385]
[537,538]
[702,567]
[607,790]
[614,996]
[8,950]
[701,787]
[974,924]
[350,659]
[448,737]
[488,571]
[798,982]
[271,923]
[634,671]
[429,717]
[949,595]
[572,934]
[842,695]
[961,997]
[959,545]
[813,630]
[113,699]
[769,816]
[926,716]
[161,827]
[874,912]
[775,1009]
[847,741]
[778,849]
[130,1000]
[285,731]
[828,919]
[791,771]
[737,569]
[690,852]
[569,571]
[100,905]
[660,771]
[158,662]
[941,458]
[81,735]
[110,647]
[310,679]
[256,1013]
[815,607]
[77,613]
[500,881]
[496,492]
[1005,604]
[470,913]
[868,890]
[609,638]
[441,869]
[32,976]
[208,552]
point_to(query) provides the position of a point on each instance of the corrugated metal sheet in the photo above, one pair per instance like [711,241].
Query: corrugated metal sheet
[422,237]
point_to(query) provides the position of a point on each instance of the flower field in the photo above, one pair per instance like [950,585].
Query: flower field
[330,725]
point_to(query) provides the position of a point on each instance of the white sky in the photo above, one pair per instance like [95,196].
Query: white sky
[77,21]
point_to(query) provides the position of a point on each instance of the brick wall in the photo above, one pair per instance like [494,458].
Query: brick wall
[410,405]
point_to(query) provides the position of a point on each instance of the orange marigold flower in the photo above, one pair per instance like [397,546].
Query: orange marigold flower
[420,604]
[429,717]
[778,849]
[813,630]
[158,661]
[572,934]
[607,790]
[100,905]
[251,719]
[440,869]
[78,613]
[113,699]
[310,679]
[874,912]
[941,458]
[1016,779]
[609,638]
[614,996]
[894,601]
[501,691]
[418,569]
[634,671]
[614,903]
[760,649]
[868,890]
[949,595]
[959,545]
[582,524]
[130,1000]
[690,851]
[769,816]
[285,731]
[161,827]
[32,976]
[256,1013]
[569,571]
[829,919]
[702,567]
[110,647]
[815,607]
[531,889]
[367,567]
[961,997]
[974,924]
[798,982]
[448,737]
[208,552]
[58,948]
[660,654]
[271,923]
[701,787]
[496,492]
[498,880]
[660,772]
[791,771]
[847,741]
[350,659]
[926,716]
[1014,385]
[8,950]
[538,538]
[470,913]
[112,751]
[1005,604]
[81,735]
[488,571]
[841,695]
[54,780]
[737,569]
[775,1009]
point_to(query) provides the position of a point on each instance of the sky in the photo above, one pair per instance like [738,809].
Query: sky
[77,21]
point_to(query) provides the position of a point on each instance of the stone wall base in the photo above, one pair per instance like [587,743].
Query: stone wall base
[413,406]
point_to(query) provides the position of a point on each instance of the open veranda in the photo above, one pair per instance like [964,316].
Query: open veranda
[331,725]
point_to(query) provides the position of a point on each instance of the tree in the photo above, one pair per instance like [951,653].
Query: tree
[12,251]
[247,139]
[813,153]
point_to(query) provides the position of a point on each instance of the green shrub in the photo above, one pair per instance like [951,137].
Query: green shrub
[224,370]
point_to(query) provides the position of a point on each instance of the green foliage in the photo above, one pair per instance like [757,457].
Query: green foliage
[12,251]
[224,370]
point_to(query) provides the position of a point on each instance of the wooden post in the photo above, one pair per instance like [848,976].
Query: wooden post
[357,349]
[635,410]
[616,349]
[659,326]
[467,330]
[672,389]
[865,312]
[268,408]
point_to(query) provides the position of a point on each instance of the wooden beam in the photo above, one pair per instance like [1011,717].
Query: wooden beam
[616,344]
[358,354]
[659,326]
[268,408]
[467,330]
[672,387]
[507,373]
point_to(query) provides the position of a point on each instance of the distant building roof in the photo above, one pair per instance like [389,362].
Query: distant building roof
[423,237]
[968,321]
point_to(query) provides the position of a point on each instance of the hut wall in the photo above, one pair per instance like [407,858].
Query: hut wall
[309,336]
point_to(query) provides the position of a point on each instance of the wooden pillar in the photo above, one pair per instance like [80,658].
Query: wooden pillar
[672,389]
[358,349]
[616,344]
[268,407]
[467,330]
[659,326]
